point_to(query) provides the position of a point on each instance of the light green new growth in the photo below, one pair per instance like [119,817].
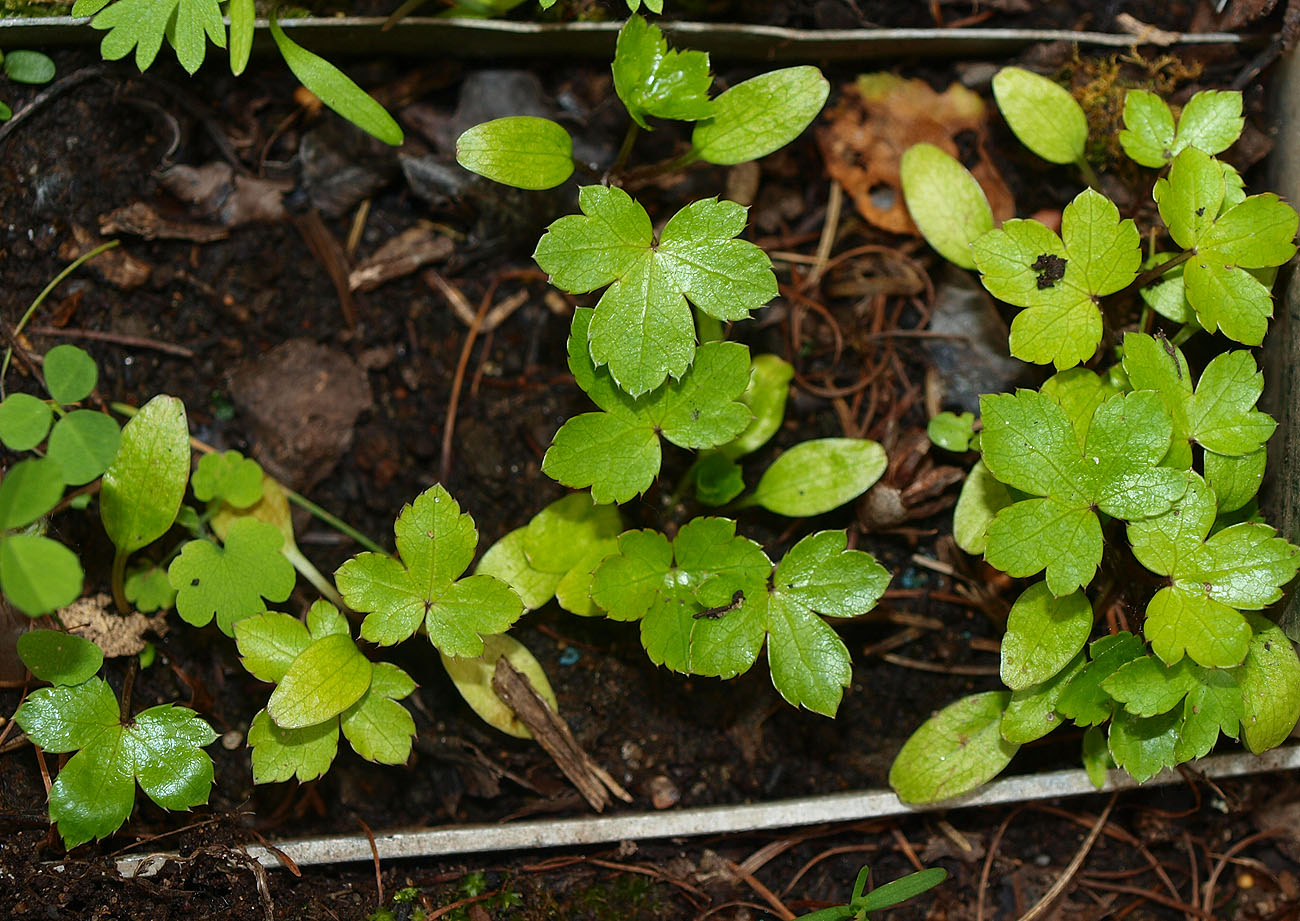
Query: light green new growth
[1226,240]
[760,115]
[1059,280]
[642,327]
[616,452]
[424,588]
[1213,577]
[37,575]
[227,477]
[952,432]
[1211,122]
[1043,115]
[521,151]
[142,25]
[161,748]
[954,751]
[230,582]
[947,204]
[1030,444]
[816,476]
[654,81]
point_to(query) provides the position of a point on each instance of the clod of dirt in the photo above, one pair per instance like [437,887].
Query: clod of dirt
[302,400]
[879,118]
[977,362]
[93,618]
[663,792]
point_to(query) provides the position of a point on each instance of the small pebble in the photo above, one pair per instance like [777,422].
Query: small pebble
[232,740]
[1245,881]
[1042,860]
[663,792]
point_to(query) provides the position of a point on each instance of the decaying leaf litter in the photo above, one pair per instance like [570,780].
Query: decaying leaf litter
[857,375]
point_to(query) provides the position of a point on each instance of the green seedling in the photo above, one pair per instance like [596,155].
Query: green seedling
[1044,117]
[324,684]
[1211,122]
[141,26]
[952,432]
[425,587]
[38,575]
[161,748]
[945,201]
[895,892]
[24,67]
[642,327]
[816,476]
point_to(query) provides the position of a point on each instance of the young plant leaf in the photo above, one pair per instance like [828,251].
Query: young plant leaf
[946,202]
[1144,745]
[560,535]
[70,374]
[816,476]
[38,575]
[1083,699]
[162,748]
[951,431]
[1167,295]
[1096,755]
[58,657]
[229,477]
[1219,415]
[334,88]
[1211,122]
[1032,712]
[29,490]
[322,681]
[24,421]
[473,679]
[143,486]
[1213,577]
[377,727]
[642,327]
[900,890]
[1253,234]
[282,754]
[28,67]
[243,17]
[83,443]
[653,81]
[1270,686]
[506,560]
[1234,480]
[616,452]
[982,497]
[954,751]
[436,544]
[1058,280]
[1029,444]
[1080,392]
[230,582]
[717,479]
[760,115]
[1148,687]
[148,588]
[1044,634]
[1042,114]
[133,24]
[1214,704]
[765,395]
[521,151]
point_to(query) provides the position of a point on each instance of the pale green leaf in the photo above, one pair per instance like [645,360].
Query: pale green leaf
[1144,746]
[70,374]
[269,642]
[323,680]
[982,497]
[1083,699]
[760,115]
[560,535]
[765,395]
[472,676]
[945,201]
[1211,121]
[281,754]
[954,751]
[29,490]
[521,151]
[1032,711]
[951,432]
[230,582]
[1043,114]
[1096,756]
[243,16]
[1044,634]
[1148,135]
[1213,705]
[816,476]
[1270,687]
[143,487]
[134,24]
[29,67]
[377,727]
[1148,687]
[229,477]
[506,560]
[1234,480]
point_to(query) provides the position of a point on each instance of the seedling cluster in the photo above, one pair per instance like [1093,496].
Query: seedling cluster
[1130,488]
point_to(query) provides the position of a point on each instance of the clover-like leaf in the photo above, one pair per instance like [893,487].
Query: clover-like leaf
[377,726]
[1043,114]
[1058,280]
[58,657]
[1219,414]
[38,575]
[654,81]
[642,327]
[83,443]
[162,748]
[616,452]
[760,115]
[946,202]
[521,151]
[70,373]
[1256,233]
[1029,443]
[231,581]
[1213,577]
[436,544]
[29,490]
[1211,122]
[954,751]
[24,421]
[229,477]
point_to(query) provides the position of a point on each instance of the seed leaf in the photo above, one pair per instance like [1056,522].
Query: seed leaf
[83,443]
[473,679]
[1030,444]
[230,582]
[653,81]
[29,490]
[93,794]
[38,575]
[24,421]
[521,151]
[269,642]
[58,657]
[1044,634]
[616,452]
[765,395]
[642,327]
[322,681]
[954,751]
[1213,578]
[1043,114]
[816,476]
[760,115]
[1270,686]
[29,67]
[436,544]
[143,486]
[1058,280]
[945,201]
[982,497]
[1255,233]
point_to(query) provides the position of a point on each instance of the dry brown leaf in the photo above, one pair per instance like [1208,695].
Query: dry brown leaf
[94,618]
[141,220]
[401,255]
[218,192]
[879,118]
[115,266]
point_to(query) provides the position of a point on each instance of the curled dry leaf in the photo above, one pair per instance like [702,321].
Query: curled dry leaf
[401,255]
[879,118]
[115,266]
[94,618]
[215,191]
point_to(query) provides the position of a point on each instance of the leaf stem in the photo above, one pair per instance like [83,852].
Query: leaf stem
[117,581]
[40,299]
[1089,174]
[128,685]
[1157,271]
[629,139]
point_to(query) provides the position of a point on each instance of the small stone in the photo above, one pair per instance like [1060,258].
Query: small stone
[663,792]
[631,754]
[232,740]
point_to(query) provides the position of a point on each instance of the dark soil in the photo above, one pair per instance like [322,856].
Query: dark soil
[103,146]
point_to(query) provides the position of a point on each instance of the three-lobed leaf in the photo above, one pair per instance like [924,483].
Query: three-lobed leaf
[655,81]
[228,477]
[230,582]
[1211,122]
